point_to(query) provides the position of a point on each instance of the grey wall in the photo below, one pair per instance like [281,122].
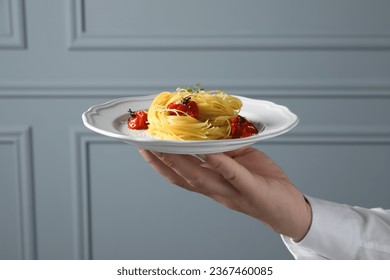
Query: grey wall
[68,193]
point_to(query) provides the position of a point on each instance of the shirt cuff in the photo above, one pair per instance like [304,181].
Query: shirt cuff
[333,233]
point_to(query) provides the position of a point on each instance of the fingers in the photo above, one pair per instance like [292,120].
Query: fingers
[223,177]
[163,169]
[259,163]
[232,171]
[187,172]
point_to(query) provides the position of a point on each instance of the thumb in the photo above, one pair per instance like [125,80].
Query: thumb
[232,171]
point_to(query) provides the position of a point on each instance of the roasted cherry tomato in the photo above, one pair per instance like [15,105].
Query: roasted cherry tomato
[138,120]
[186,106]
[241,127]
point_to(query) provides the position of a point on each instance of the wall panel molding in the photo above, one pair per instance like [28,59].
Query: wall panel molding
[20,137]
[80,142]
[80,39]
[82,139]
[15,37]
[262,89]
[334,135]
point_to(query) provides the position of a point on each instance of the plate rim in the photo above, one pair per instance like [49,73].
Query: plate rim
[89,113]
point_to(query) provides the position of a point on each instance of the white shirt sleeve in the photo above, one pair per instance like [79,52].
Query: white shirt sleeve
[343,232]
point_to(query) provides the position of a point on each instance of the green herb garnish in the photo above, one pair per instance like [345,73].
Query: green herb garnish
[196,89]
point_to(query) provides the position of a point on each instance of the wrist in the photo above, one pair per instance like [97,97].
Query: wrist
[305,222]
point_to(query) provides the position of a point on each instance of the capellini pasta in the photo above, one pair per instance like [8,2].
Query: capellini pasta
[215,109]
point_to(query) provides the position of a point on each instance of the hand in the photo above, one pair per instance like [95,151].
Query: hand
[245,180]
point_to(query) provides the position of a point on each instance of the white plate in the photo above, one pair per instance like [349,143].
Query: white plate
[110,119]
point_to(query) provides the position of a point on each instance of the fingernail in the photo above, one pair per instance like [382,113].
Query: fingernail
[201,156]
[157,154]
